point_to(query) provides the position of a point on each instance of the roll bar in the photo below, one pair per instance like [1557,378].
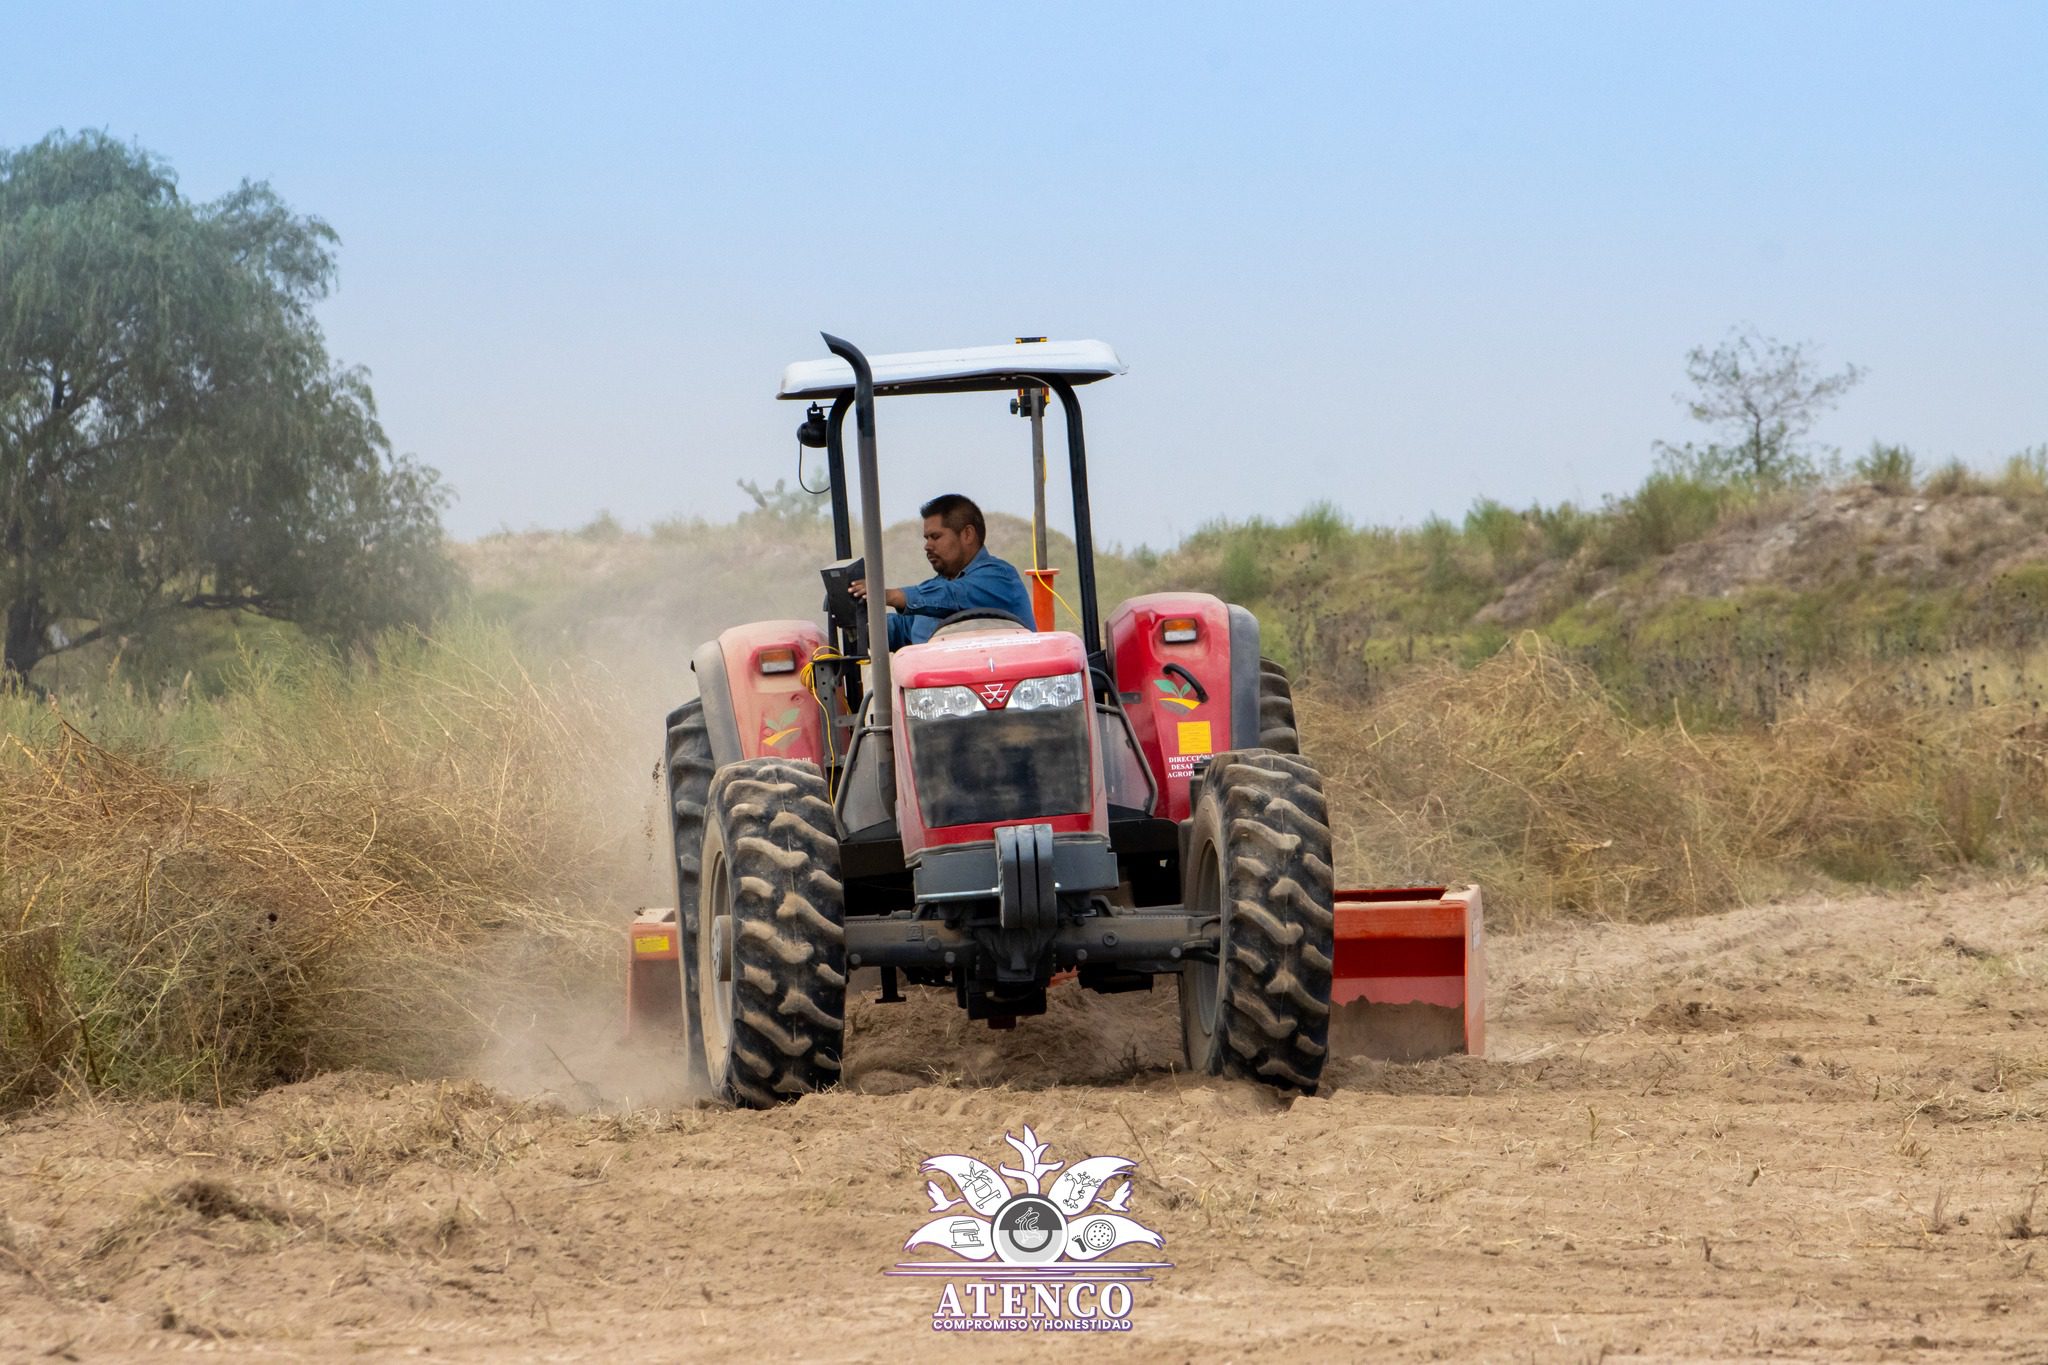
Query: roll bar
[879,712]
[842,536]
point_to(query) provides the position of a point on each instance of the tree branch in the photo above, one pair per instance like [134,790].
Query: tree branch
[202,601]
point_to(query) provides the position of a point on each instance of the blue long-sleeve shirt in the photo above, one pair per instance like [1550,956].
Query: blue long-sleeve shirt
[985,582]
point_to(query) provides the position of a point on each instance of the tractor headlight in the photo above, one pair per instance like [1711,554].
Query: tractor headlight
[1042,694]
[931,703]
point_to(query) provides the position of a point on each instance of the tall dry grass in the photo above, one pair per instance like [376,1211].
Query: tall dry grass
[356,863]
[340,863]
[1523,775]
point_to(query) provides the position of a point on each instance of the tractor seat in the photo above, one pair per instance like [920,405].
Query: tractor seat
[980,621]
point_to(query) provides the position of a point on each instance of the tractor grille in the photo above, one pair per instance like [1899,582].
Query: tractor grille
[1001,765]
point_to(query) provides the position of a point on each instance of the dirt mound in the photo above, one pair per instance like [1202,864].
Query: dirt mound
[1081,1039]
[1838,534]
[1812,540]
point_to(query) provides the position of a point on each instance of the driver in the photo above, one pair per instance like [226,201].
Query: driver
[968,577]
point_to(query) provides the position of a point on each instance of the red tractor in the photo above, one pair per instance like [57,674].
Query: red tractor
[1007,804]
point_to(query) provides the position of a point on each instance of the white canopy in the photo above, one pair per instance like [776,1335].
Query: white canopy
[961,369]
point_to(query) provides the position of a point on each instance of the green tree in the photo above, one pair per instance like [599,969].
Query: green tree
[1764,396]
[173,435]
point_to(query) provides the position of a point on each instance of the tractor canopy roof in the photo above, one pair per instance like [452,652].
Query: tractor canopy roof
[963,369]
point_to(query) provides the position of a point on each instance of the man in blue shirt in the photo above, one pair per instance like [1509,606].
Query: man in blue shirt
[968,576]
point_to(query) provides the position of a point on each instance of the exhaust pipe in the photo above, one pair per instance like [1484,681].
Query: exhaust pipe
[884,698]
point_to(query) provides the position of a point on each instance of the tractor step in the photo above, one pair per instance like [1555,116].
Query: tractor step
[1410,976]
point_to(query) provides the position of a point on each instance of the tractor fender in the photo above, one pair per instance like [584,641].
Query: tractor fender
[1244,678]
[1189,697]
[751,711]
[709,666]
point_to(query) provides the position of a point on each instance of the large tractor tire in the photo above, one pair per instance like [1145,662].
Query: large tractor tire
[770,946]
[1259,861]
[687,765]
[1277,730]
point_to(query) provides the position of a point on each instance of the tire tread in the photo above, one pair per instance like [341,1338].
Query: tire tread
[1273,1010]
[1277,728]
[789,935]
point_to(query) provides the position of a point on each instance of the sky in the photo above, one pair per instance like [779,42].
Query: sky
[1396,256]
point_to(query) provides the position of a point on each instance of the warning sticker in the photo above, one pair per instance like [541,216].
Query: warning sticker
[651,944]
[1195,742]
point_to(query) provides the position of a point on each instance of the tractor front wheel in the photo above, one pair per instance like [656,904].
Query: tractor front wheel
[770,941]
[1259,863]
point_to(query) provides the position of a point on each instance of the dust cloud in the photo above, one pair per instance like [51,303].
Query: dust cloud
[624,613]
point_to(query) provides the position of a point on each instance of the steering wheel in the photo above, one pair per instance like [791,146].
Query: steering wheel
[981,614]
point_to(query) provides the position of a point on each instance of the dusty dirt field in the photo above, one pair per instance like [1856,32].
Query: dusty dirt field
[1811,1130]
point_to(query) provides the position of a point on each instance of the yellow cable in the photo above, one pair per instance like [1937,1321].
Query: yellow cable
[809,679]
[1063,602]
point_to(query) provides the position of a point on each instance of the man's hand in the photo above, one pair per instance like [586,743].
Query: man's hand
[893,597]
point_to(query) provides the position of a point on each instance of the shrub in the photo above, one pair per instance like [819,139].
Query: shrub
[1442,572]
[1953,479]
[1668,511]
[1505,535]
[783,505]
[1563,529]
[1887,468]
[1322,526]
[1244,575]
[2025,475]
[679,530]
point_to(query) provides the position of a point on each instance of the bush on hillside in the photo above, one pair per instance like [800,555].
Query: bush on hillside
[1887,468]
[1510,540]
[2025,475]
[1954,479]
[1668,511]
[1322,526]
[1564,529]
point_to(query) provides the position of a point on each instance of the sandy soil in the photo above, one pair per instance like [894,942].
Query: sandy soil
[1811,1130]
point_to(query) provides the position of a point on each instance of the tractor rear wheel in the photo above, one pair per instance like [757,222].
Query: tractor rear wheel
[687,764]
[1259,862]
[770,946]
[1277,730]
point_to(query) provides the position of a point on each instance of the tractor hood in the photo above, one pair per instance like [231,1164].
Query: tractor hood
[975,658]
[995,727]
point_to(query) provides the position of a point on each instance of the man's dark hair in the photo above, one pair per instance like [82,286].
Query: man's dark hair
[956,510]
